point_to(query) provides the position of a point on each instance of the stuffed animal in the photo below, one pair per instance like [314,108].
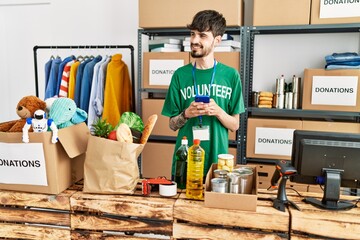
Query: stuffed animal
[24,109]
[64,113]
[39,124]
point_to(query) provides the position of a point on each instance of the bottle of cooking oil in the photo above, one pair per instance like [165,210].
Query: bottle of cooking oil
[181,163]
[195,171]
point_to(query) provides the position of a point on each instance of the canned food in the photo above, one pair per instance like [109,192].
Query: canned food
[255,99]
[226,162]
[289,100]
[245,181]
[220,173]
[239,169]
[280,85]
[219,185]
[234,180]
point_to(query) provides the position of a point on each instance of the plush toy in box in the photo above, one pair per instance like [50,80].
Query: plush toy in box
[24,109]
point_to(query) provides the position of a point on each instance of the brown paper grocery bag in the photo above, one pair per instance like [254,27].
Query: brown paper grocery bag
[111,167]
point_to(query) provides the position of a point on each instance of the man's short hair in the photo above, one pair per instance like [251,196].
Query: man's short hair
[208,20]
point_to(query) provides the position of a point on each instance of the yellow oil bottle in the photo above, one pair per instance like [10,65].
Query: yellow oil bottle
[195,171]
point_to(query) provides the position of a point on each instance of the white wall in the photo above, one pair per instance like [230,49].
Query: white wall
[27,23]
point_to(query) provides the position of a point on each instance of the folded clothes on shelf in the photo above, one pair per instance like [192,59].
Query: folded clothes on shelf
[344,60]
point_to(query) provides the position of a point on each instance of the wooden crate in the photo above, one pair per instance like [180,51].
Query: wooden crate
[316,223]
[193,220]
[35,216]
[96,216]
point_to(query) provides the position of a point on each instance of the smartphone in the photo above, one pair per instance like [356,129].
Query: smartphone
[202,98]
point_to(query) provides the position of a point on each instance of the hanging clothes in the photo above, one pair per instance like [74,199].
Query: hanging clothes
[64,84]
[118,94]
[99,95]
[98,74]
[61,70]
[86,83]
[79,76]
[47,71]
[72,79]
[51,86]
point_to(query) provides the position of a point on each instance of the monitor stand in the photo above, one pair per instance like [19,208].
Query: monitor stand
[282,200]
[331,196]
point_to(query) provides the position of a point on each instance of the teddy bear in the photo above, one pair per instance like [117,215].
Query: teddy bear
[64,113]
[25,108]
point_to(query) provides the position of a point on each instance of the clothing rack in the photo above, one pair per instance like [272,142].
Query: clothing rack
[130,47]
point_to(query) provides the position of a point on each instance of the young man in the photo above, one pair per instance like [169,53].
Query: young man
[211,121]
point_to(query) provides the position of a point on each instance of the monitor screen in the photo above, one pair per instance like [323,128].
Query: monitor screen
[327,158]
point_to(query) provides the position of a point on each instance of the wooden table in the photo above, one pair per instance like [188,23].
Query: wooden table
[315,223]
[35,216]
[193,220]
[74,214]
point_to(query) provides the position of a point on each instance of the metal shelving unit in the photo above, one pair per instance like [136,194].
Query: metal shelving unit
[250,34]
[182,32]
[247,38]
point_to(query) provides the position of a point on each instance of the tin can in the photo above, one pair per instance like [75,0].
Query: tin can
[296,89]
[220,173]
[296,84]
[296,100]
[280,85]
[289,100]
[219,185]
[245,181]
[239,169]
[255,99]
[233,181]
[280,101]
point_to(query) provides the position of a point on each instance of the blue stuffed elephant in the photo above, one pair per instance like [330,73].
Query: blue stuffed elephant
[64,113]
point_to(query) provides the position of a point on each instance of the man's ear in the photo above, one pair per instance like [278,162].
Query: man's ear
[217,40]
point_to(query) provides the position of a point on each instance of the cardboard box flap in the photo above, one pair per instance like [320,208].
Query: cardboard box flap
[74,139]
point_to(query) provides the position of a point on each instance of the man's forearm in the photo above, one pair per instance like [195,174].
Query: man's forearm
[178,121]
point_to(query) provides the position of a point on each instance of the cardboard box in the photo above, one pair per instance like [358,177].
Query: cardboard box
[231,59]
[297,186]
[157,160]
[326,90]
[154,106]
[245,202]
[177,14]
[160,66]
[270,138]
[265,171]
[63,161]
[342,127]
[281,12]
[315,12]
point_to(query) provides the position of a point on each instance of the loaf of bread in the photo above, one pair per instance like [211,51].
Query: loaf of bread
[123,133]
[148,128]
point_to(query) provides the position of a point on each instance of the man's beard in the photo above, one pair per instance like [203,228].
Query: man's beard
[200,52]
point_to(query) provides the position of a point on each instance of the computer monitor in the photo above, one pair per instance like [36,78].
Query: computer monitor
[330,159]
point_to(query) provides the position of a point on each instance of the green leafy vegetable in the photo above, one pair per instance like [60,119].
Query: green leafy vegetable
[132,120]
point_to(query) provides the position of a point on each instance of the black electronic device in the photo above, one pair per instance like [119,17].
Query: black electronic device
[202,98]
[283,169]
[328,158]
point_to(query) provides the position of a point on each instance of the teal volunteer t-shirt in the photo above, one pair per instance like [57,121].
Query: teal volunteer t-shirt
[226,91]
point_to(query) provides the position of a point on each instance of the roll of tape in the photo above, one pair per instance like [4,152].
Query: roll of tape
[168,190]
